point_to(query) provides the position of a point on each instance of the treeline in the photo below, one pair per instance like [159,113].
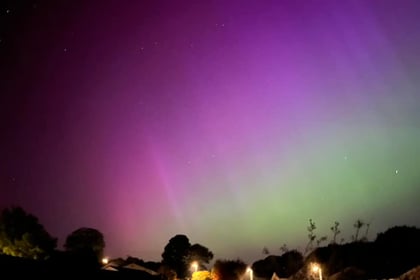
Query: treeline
[26,248]
[23,236]
[391,254]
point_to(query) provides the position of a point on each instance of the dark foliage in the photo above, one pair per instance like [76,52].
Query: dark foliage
[200,254]
[229,269]
[392,253]
[399,248]
[175,253]
[22,235]
[86,242]
[284,266]
[178,255]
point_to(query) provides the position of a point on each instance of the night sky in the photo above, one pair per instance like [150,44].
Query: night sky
[232,122]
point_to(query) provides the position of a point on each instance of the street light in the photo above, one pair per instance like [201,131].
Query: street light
[316,268]
[194,266]
[251,273]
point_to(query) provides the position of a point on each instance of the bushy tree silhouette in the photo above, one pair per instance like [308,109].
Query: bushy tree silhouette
[85,246]
[199,254]
[229,269]
[284,266]
[22,235]
[399,248]
[175,253]
[179,254]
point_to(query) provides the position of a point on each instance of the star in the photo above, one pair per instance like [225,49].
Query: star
[8,11]
[65,49]
[396,171]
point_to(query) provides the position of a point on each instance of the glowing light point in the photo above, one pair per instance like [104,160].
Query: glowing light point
[251,273]
[105,260]
[194,266]
[316,268]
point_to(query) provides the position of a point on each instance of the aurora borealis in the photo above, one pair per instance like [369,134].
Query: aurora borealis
[232,122]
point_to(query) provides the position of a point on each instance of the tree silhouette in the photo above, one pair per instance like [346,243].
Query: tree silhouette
[175,253]
[311,235]
[22,235]
[179,254]
[394,252]
[357,225]
[365,238]
[292,261]
[200,254]
[86,242]
[284,248]
[229,270]
[265,251]
[284,266]
[336,231]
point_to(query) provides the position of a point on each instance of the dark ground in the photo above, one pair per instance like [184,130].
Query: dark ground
[61,268]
